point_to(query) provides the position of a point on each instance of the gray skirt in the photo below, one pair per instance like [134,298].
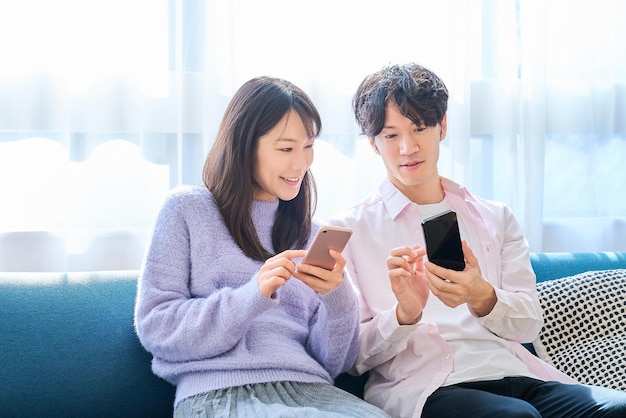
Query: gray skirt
[277,399]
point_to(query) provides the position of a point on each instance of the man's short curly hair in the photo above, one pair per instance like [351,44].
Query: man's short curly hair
[415,91]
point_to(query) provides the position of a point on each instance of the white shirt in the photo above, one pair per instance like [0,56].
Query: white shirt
[447,346]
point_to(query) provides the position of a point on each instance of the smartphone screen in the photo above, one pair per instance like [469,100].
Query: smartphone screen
[443,240]
[327,237]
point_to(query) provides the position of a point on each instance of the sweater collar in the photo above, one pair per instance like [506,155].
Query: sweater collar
[263,212]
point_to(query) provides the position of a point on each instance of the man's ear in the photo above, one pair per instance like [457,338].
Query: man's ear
[444,127]
[373,144]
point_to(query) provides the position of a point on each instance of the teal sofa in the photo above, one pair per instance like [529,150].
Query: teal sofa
[68,346]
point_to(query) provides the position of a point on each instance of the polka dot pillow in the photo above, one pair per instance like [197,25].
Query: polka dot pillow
[584,332]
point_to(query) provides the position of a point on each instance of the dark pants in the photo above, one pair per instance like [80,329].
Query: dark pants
[524,397]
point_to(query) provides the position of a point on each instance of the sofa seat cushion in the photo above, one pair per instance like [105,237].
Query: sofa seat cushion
[584,332]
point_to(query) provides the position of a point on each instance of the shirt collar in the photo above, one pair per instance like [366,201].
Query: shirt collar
[395,201]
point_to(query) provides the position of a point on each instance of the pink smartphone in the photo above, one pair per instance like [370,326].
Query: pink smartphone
[327,237]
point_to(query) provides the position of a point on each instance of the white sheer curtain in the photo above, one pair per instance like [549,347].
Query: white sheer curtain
[106,105]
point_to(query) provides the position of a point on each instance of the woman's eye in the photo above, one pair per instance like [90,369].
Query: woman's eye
[286,149]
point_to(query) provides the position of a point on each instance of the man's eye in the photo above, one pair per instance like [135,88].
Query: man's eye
[420,129]
[390,137]
[286,149]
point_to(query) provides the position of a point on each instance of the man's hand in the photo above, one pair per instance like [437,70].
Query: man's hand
[408,282]
[454,288]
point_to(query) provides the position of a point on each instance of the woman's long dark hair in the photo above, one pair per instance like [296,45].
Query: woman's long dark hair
[254,110]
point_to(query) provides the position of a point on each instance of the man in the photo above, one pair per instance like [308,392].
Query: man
[439,342]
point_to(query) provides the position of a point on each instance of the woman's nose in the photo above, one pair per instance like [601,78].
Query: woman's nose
[302,161]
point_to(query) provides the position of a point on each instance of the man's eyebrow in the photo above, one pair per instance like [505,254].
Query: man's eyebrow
[412,123]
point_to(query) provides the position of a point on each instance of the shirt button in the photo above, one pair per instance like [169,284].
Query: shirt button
[448,356]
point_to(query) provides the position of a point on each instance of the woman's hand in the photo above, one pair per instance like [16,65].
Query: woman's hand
[277,270]
[320,279]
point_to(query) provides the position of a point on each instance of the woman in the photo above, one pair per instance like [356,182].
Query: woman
[228,313]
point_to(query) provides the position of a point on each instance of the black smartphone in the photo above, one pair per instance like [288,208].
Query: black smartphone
[327,237]
[443,240]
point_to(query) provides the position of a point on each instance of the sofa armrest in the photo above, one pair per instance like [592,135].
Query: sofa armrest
[69,348]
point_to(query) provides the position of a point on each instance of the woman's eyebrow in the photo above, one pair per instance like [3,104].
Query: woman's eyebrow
[285,140]
[292,140]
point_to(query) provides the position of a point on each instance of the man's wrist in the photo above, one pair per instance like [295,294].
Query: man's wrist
[485,305]
[406,320]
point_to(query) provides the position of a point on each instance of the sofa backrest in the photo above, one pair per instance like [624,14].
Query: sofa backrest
[550,266]
[69,348]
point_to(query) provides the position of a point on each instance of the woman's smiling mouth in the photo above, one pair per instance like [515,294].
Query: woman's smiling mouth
[293,180]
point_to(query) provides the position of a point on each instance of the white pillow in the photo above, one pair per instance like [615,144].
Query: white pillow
[584,332]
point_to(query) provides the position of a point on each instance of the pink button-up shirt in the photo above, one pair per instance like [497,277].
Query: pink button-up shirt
[408,363]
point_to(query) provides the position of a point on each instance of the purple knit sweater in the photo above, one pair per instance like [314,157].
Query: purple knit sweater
[200,313]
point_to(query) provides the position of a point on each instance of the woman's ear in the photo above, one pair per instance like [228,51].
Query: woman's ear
[373,144]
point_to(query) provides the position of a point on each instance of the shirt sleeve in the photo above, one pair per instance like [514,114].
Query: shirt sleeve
[517,315]
[382,337]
